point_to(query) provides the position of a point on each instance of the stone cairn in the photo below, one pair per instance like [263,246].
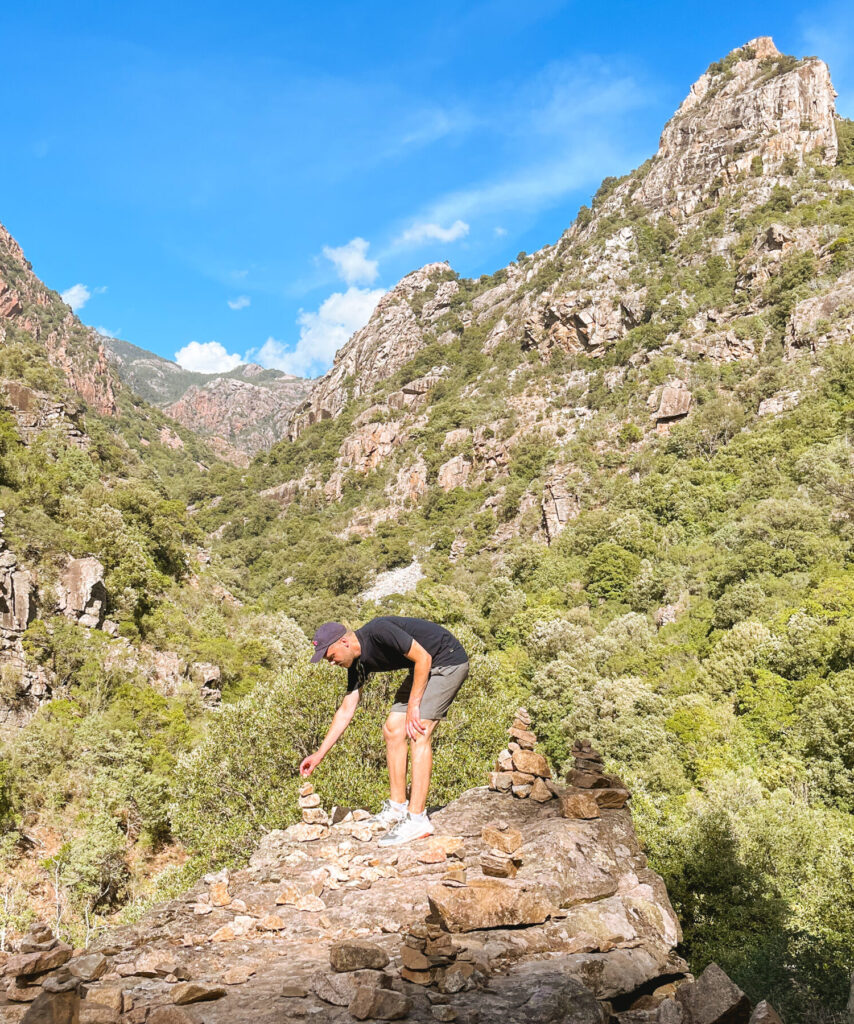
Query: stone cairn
[46,974]
[588,788]
[520,770]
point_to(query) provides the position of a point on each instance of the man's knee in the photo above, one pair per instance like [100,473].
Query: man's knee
[394,728]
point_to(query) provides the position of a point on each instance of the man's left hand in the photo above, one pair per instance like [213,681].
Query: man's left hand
[414,726]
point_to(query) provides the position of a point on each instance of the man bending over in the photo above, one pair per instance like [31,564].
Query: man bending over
[437,666]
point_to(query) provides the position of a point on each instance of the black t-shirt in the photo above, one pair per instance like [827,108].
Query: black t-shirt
[385,641]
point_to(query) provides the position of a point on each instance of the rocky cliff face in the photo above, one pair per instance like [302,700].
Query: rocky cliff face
[399,327]
[755,126]
[527,911]
[34,317]
[248,416]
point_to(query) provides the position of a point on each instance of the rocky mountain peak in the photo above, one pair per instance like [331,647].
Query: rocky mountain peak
[748,114]
[396,331]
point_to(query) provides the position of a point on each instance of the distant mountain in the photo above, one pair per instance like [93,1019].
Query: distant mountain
[241,412]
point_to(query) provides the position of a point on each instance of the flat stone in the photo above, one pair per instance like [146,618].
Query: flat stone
[416,977]
[309,800]
[586,780]
[432,856]
[355,954]
[414,959]
[522,791]
[578,803]
[455,873]
[489,904]
[306,789]
[526,740]
[293,992]
[195,992]
[238,975]
[497,864]
[378,1004]
[610,799]
[39,962]
[506,839]
[315,816]
[88,967]
[443,1013]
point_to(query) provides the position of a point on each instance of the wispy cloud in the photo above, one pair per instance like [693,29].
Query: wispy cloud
[322,332]
[106,332]
[241,302]
[424,231]
[207,357]
[79,294]
[351,261]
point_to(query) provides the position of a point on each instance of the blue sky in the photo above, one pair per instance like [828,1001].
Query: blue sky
[244,180]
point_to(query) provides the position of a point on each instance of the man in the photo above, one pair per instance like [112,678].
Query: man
[437,666]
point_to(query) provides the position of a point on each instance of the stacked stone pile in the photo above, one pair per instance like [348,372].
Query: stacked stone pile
[520,770]
[359,981]
[45,971]
[502,858]
[589,788]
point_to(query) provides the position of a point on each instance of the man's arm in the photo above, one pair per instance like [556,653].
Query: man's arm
[420,674]
[340,720]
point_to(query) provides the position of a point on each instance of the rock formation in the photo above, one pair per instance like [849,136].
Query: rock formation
[29,309]
[82,594]
[392,336]
[325,925]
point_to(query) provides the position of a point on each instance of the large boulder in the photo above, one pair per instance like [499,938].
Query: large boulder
[489,903]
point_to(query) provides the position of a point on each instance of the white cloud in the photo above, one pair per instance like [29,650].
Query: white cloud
[422,231]
[322,332]
[241,302]
[352,263]
[207,357]
[76,296]
[79,294]
[105,332]
[499,232]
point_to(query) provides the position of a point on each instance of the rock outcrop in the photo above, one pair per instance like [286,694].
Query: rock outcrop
[82,593]
[23,687]
[325,925]
[743,111]
[393,335]
[29,310]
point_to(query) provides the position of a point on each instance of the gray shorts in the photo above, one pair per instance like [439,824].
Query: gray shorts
[443,685]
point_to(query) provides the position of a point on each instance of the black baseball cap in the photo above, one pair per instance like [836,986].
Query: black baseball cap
[325,637]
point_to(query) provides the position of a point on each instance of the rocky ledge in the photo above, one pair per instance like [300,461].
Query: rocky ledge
[325,925]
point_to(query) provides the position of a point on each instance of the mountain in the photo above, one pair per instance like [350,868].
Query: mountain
[240,412]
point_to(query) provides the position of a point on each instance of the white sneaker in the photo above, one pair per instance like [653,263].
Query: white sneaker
[407,830]
[387,817]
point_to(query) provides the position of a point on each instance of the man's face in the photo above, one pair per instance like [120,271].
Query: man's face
[340,653]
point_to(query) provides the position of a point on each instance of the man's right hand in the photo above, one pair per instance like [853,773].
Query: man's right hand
[309,764]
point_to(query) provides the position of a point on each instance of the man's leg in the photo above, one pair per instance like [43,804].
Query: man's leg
[421,752]
[394,733]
